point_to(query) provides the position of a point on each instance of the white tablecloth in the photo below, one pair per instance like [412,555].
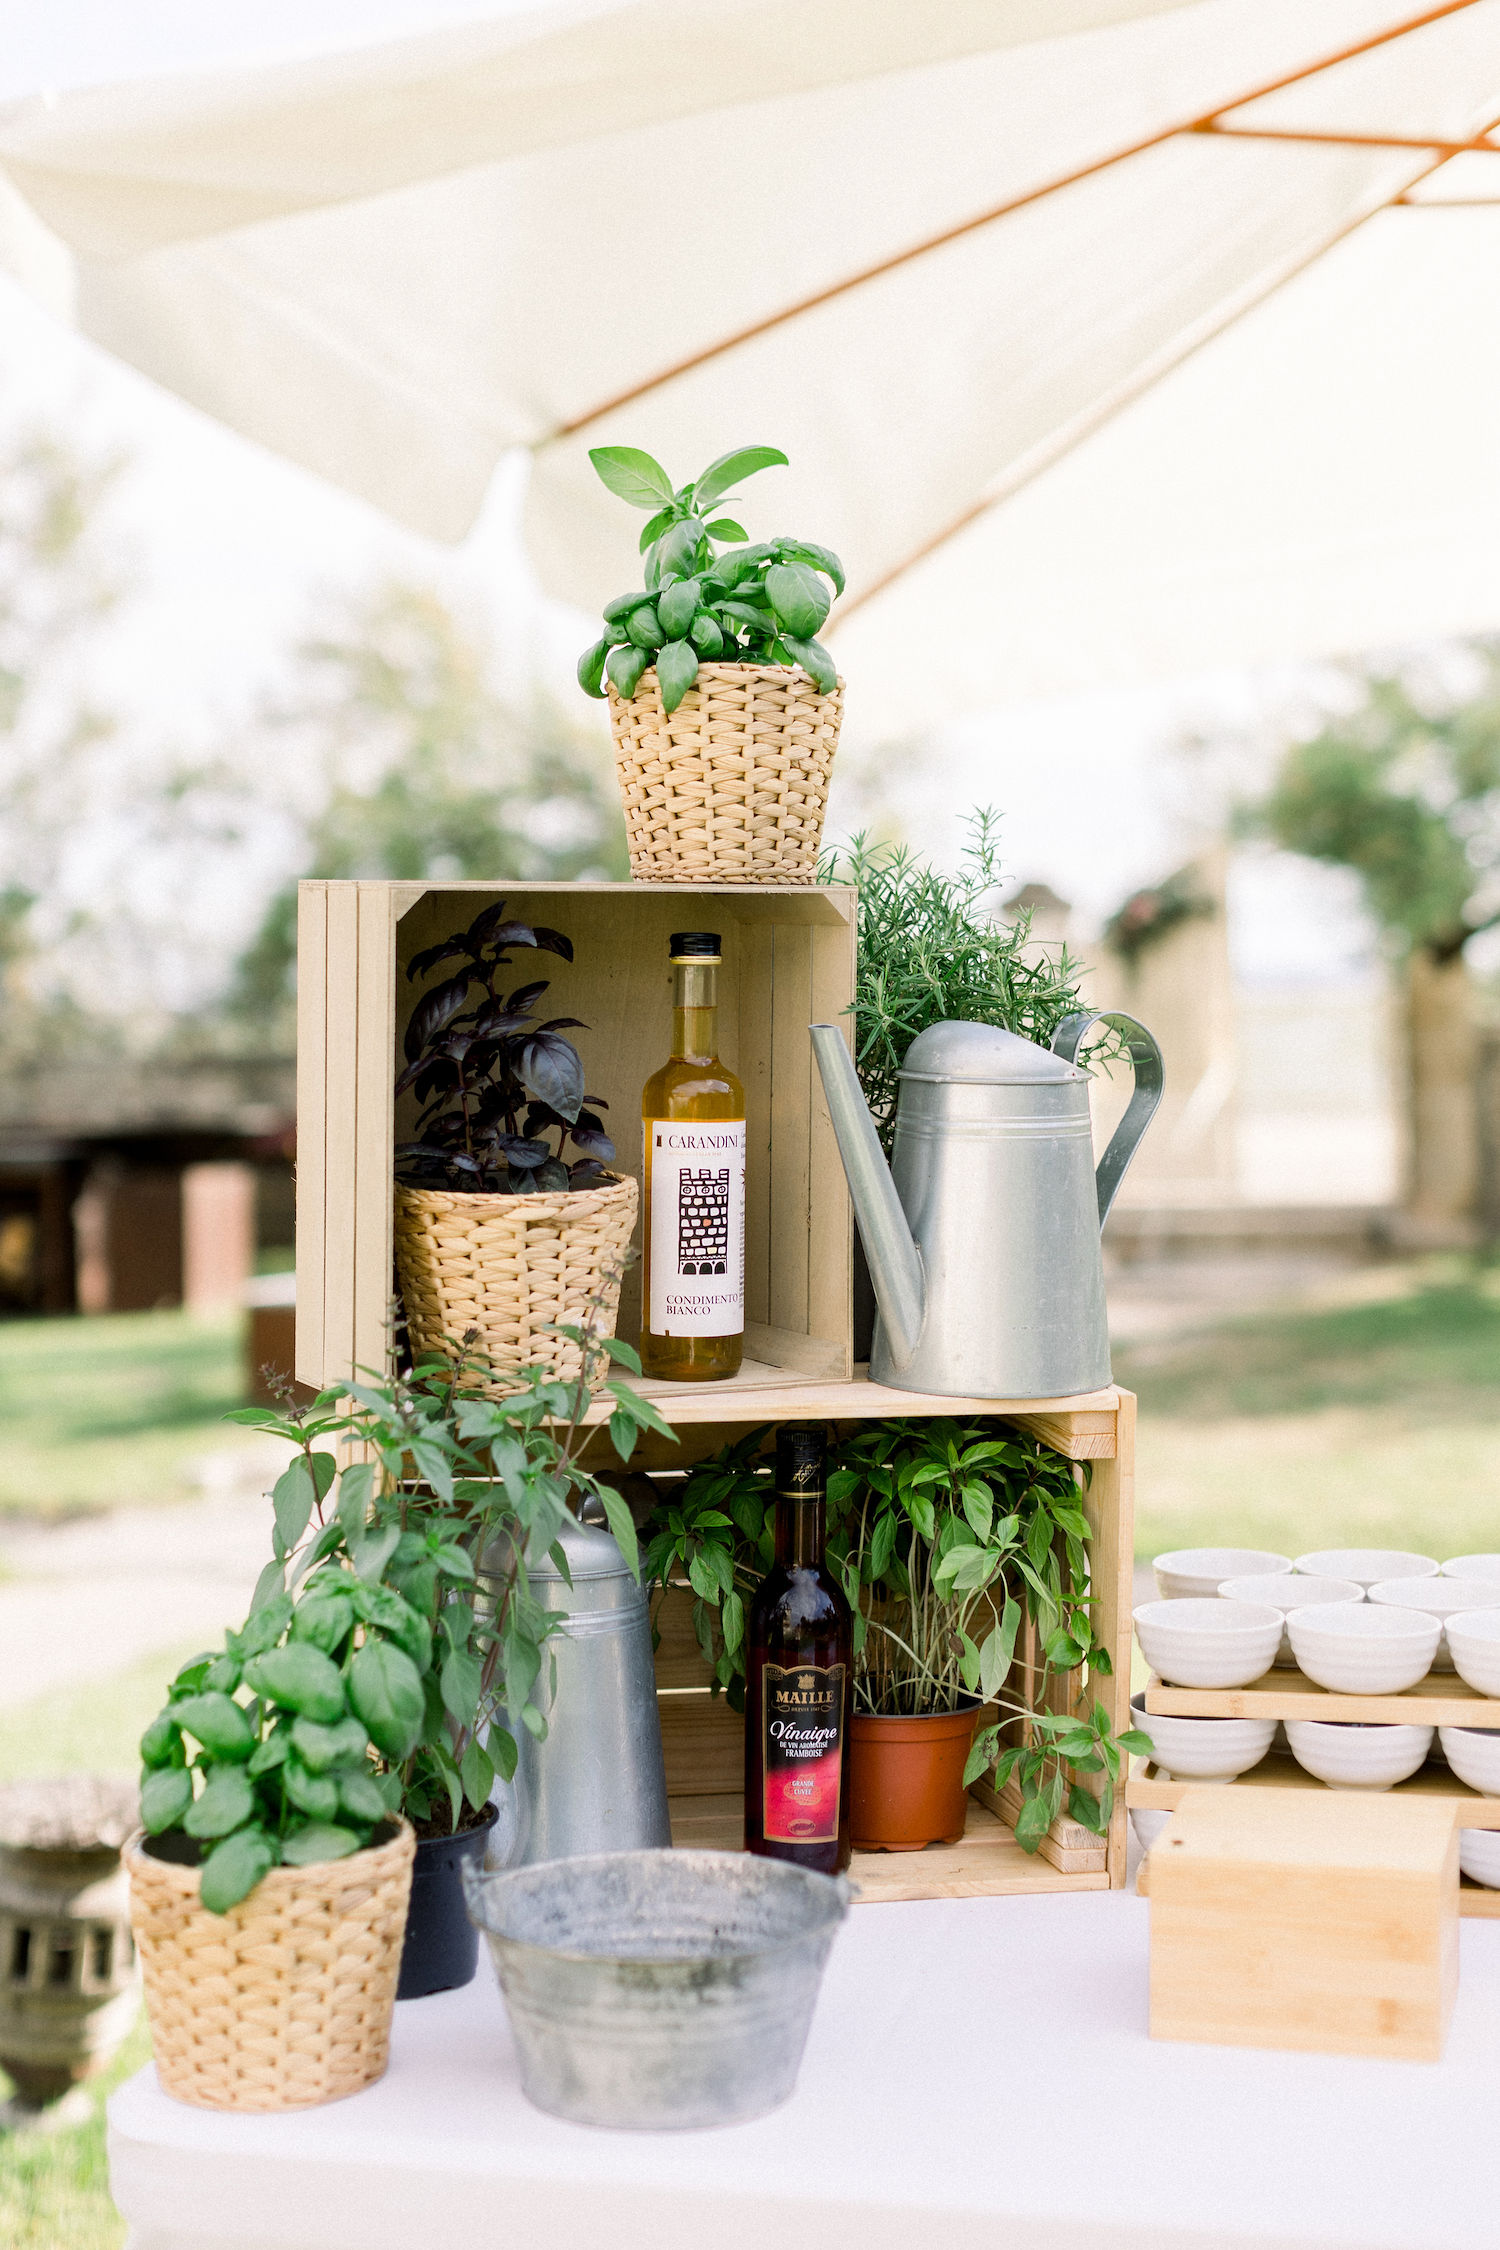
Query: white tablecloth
[978,2075]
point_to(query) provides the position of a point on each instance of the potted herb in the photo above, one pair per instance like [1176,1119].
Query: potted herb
[948,1536]
[724,705]
[933,950]
[456,1491]
[508,1223]
[272,1857]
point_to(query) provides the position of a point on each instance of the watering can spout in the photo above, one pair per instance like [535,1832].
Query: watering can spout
[894,1259]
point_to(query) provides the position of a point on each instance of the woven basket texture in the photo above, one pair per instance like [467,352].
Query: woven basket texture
[732,787]
[508,1266]
[284,2001]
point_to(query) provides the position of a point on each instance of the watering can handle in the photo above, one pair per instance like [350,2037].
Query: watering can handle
[1145,1058]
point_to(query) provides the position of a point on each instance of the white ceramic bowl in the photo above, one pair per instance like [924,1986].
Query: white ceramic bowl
[1196,1573]
[1478,1854]
[1350,1756]
[1355,1648]
[1148,1821]
[1208,1643]
[1368,1566]
[1441,1598]
[1474,1755]
[1286,1591]
[1202,1749]
[1472,1566]
[1474,1642]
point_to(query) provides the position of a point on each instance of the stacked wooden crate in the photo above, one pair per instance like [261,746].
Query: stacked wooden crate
[789,960]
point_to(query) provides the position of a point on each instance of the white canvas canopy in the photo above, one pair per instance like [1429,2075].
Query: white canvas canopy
[933,253]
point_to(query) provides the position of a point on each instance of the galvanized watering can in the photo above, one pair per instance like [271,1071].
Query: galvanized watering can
[982,1234]
[596,1783]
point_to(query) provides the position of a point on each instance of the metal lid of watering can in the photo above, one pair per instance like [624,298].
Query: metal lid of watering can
[591,1553]
[981,1054]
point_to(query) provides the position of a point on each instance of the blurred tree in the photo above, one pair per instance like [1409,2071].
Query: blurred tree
[54,590]
[418,764]
[1405,789]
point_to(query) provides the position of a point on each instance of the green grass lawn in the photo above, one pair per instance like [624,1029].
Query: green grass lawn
[1370,1423]
[54,2180]
[111,1412]
[89,1729]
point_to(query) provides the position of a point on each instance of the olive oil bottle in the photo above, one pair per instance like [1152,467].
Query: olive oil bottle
[693,1134]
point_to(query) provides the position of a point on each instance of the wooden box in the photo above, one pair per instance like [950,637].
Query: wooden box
[703,1739]
[789,958]
[1325,1921]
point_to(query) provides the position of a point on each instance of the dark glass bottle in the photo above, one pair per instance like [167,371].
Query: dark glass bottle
[799,1676]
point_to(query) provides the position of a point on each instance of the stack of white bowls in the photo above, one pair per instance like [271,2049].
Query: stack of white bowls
[1474,1752]
[1358,1621]
[1194,1637]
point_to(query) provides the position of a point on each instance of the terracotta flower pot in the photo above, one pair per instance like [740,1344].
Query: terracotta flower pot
[907,1779]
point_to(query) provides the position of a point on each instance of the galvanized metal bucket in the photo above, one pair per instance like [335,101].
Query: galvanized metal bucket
[657,1990]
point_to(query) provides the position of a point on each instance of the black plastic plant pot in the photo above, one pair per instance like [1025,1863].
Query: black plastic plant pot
[441,1948]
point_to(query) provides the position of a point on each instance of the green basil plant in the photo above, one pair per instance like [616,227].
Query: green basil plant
[393,1650]
[709,595]
[946,1536]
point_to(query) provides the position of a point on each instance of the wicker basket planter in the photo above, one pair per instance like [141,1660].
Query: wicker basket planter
[733,785]
[286,2000]
[509,1266]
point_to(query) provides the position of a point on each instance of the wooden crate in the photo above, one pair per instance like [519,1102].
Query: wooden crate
[703,1739]
[789,961]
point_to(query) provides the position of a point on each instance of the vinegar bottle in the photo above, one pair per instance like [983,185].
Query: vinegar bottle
[798,1677]
[693,1134]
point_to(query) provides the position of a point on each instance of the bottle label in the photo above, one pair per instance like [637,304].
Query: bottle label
[697,1228]
[802,1718]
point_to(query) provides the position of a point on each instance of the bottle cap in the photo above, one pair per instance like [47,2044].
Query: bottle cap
[801,1448]
[695,945]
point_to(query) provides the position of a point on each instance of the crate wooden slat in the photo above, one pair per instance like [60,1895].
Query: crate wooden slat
[1440,1700]
[707,1416]
[341,1136]
[312,1111]
[989,1863]
[703,1743]
[1067,1845]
